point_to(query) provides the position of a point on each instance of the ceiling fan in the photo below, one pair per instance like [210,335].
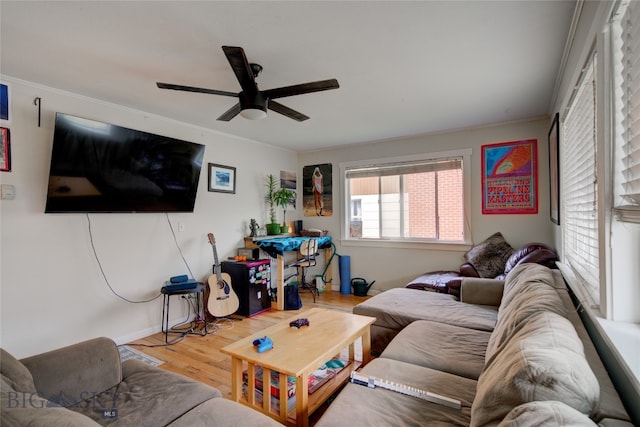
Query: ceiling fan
[253,103]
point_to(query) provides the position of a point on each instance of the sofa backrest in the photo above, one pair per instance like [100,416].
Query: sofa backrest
[528,289]
[20,404]
[89,366]
[542,361]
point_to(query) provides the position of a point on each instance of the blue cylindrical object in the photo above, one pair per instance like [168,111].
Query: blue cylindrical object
[345,274]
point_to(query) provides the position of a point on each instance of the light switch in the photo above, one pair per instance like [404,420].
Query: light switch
[8,192]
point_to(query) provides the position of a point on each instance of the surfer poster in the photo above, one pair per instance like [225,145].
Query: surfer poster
[510,177]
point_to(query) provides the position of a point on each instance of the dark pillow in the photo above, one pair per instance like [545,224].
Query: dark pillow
[532,252]
[490,256]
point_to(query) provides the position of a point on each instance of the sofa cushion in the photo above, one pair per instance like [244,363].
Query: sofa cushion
[396,308]
[528,289]
[545,413]
[489,257]
[223,413]
[147,395]
[358,405]
[543,360]
[15,374]
[447,348]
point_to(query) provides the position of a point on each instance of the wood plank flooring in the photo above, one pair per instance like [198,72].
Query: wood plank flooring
[199,357]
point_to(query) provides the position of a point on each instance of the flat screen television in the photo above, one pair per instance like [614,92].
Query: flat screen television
[100,167]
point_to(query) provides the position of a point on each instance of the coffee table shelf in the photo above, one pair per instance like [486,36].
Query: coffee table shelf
[298,352]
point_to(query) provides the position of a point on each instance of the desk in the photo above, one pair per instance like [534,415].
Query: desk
[165,307]
[277,246]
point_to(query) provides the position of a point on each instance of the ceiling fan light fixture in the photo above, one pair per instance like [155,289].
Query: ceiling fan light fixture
[253,106]
[253,113]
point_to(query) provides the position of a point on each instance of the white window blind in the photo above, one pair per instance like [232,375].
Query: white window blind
[579,178]
[627,71]
[404,168]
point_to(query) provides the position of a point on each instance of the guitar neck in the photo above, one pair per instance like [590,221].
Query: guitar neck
[374,382]
[216,264]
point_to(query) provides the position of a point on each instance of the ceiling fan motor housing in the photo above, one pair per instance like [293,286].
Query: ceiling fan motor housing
[255,101]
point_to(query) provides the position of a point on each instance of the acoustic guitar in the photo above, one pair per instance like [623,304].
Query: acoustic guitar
[222,300]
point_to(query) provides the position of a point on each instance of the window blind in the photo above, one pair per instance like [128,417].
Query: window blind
[391,169]
[628,144]
[579,178]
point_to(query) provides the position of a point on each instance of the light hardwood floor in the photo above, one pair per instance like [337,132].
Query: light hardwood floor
[199,357]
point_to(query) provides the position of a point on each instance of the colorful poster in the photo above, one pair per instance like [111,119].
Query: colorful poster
[510,177]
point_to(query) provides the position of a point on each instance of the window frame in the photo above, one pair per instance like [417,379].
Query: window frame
[464,245]
[587,279]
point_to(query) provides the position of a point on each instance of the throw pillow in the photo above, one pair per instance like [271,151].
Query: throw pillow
[490,256]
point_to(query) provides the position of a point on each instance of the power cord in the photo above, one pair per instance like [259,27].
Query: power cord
[104,276]
[175,239]
[192,325]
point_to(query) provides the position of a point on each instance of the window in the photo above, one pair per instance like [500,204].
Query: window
[626,57]
[578,170]
[418,199]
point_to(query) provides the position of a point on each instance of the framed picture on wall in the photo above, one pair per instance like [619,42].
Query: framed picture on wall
[222,178]
[317,188]
[5,107]
[554,170]
[5,150]
[510,177]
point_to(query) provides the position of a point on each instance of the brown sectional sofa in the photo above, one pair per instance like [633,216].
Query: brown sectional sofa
[513,352]
[85,384]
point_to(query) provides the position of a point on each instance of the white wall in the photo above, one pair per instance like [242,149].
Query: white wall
[394,267]
[52,292]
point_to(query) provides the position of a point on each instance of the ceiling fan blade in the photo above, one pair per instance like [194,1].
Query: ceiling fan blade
[195,89]
[241,68]
[230,113]
[300,89]
[286,111]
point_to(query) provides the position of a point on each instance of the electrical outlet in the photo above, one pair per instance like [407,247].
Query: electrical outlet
[8,192]
[181,226]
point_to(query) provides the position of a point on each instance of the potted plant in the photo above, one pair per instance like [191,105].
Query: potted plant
[283,197]
[270,183]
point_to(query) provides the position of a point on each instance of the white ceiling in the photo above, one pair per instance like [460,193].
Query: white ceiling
[404,68]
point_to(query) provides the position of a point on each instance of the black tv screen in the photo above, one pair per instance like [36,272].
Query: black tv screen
[100,167]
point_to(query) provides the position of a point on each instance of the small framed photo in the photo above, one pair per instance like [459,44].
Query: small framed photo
[5,150]
[554,170]
[222,178]
[5,108]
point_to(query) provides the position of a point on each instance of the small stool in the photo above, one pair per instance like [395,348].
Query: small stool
[199,289]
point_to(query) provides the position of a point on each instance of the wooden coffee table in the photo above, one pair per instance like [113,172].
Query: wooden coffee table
[298,352]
